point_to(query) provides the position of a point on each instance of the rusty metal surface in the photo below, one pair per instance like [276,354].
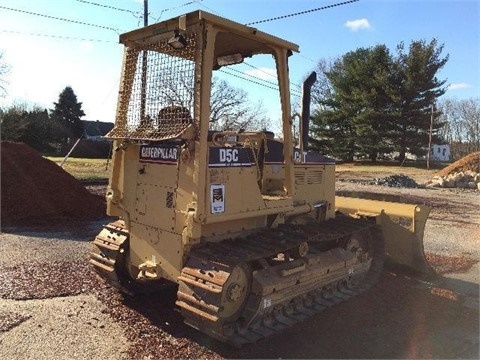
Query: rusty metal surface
[107,251]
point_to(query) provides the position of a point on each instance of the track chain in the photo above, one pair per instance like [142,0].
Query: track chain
[108,255]
[206,274]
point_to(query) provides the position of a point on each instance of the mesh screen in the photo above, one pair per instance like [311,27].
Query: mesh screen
[157,92]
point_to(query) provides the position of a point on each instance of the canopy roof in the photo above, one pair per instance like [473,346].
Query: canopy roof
[233,37]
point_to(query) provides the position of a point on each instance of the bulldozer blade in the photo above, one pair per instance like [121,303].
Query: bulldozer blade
[402,226]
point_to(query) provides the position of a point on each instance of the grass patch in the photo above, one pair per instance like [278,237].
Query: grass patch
[382,170]
[84,169]
[386,168]
[95,169]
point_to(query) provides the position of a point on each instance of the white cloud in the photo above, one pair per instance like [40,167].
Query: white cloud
[263,73]
[359,24]
[459,86]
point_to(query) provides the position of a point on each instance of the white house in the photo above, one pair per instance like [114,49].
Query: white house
[440,152]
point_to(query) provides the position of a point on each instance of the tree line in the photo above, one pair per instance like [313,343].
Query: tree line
[41,128]
[366,103]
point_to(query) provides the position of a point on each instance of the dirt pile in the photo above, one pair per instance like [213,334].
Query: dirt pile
[470,162]
[464,174]
[36,191]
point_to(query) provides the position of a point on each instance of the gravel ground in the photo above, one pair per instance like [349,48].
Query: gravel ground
[49,306]
[72,327]
[26,247]
[52,307]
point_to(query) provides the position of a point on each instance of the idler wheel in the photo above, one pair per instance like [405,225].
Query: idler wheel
[300,251]
[235,292]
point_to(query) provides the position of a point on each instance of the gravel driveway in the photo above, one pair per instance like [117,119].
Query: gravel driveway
[52,307]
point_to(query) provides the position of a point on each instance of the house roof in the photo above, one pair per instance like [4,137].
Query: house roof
[96,128]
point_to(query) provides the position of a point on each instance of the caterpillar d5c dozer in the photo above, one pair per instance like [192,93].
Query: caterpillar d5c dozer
[247,225]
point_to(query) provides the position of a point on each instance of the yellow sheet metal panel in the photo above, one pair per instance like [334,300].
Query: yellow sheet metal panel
[402,227]
[365,206]
[151,245]
[232,190]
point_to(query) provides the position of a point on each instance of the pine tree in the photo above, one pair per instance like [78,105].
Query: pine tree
[377,103]
[354,118]
[67,114]
[417,90]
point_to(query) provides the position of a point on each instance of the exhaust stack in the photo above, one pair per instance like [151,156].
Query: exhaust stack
[305,120]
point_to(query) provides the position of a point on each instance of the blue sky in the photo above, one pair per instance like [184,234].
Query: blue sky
[47,54]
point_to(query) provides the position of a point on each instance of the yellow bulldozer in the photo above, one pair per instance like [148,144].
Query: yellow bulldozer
[247,224]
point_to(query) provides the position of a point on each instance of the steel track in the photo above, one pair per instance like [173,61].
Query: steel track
[201,294]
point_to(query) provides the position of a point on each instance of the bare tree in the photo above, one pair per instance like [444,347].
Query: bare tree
[230,109]
[4,70]
[462,130]
[322,88]
[470,114]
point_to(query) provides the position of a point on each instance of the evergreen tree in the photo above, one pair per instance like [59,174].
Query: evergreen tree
[354,119]
[13,123]
[416,90]
[67,114]
[38,133]
[30,126]
[376,102]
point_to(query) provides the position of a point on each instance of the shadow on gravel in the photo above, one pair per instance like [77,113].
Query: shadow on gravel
[401,317]
[155,327]
[396,319]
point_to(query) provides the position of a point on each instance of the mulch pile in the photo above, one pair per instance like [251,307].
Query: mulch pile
[470,162]
[36,191]
[45,280]
[449,264]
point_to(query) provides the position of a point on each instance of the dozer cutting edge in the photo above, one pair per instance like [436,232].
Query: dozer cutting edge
[246,224]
